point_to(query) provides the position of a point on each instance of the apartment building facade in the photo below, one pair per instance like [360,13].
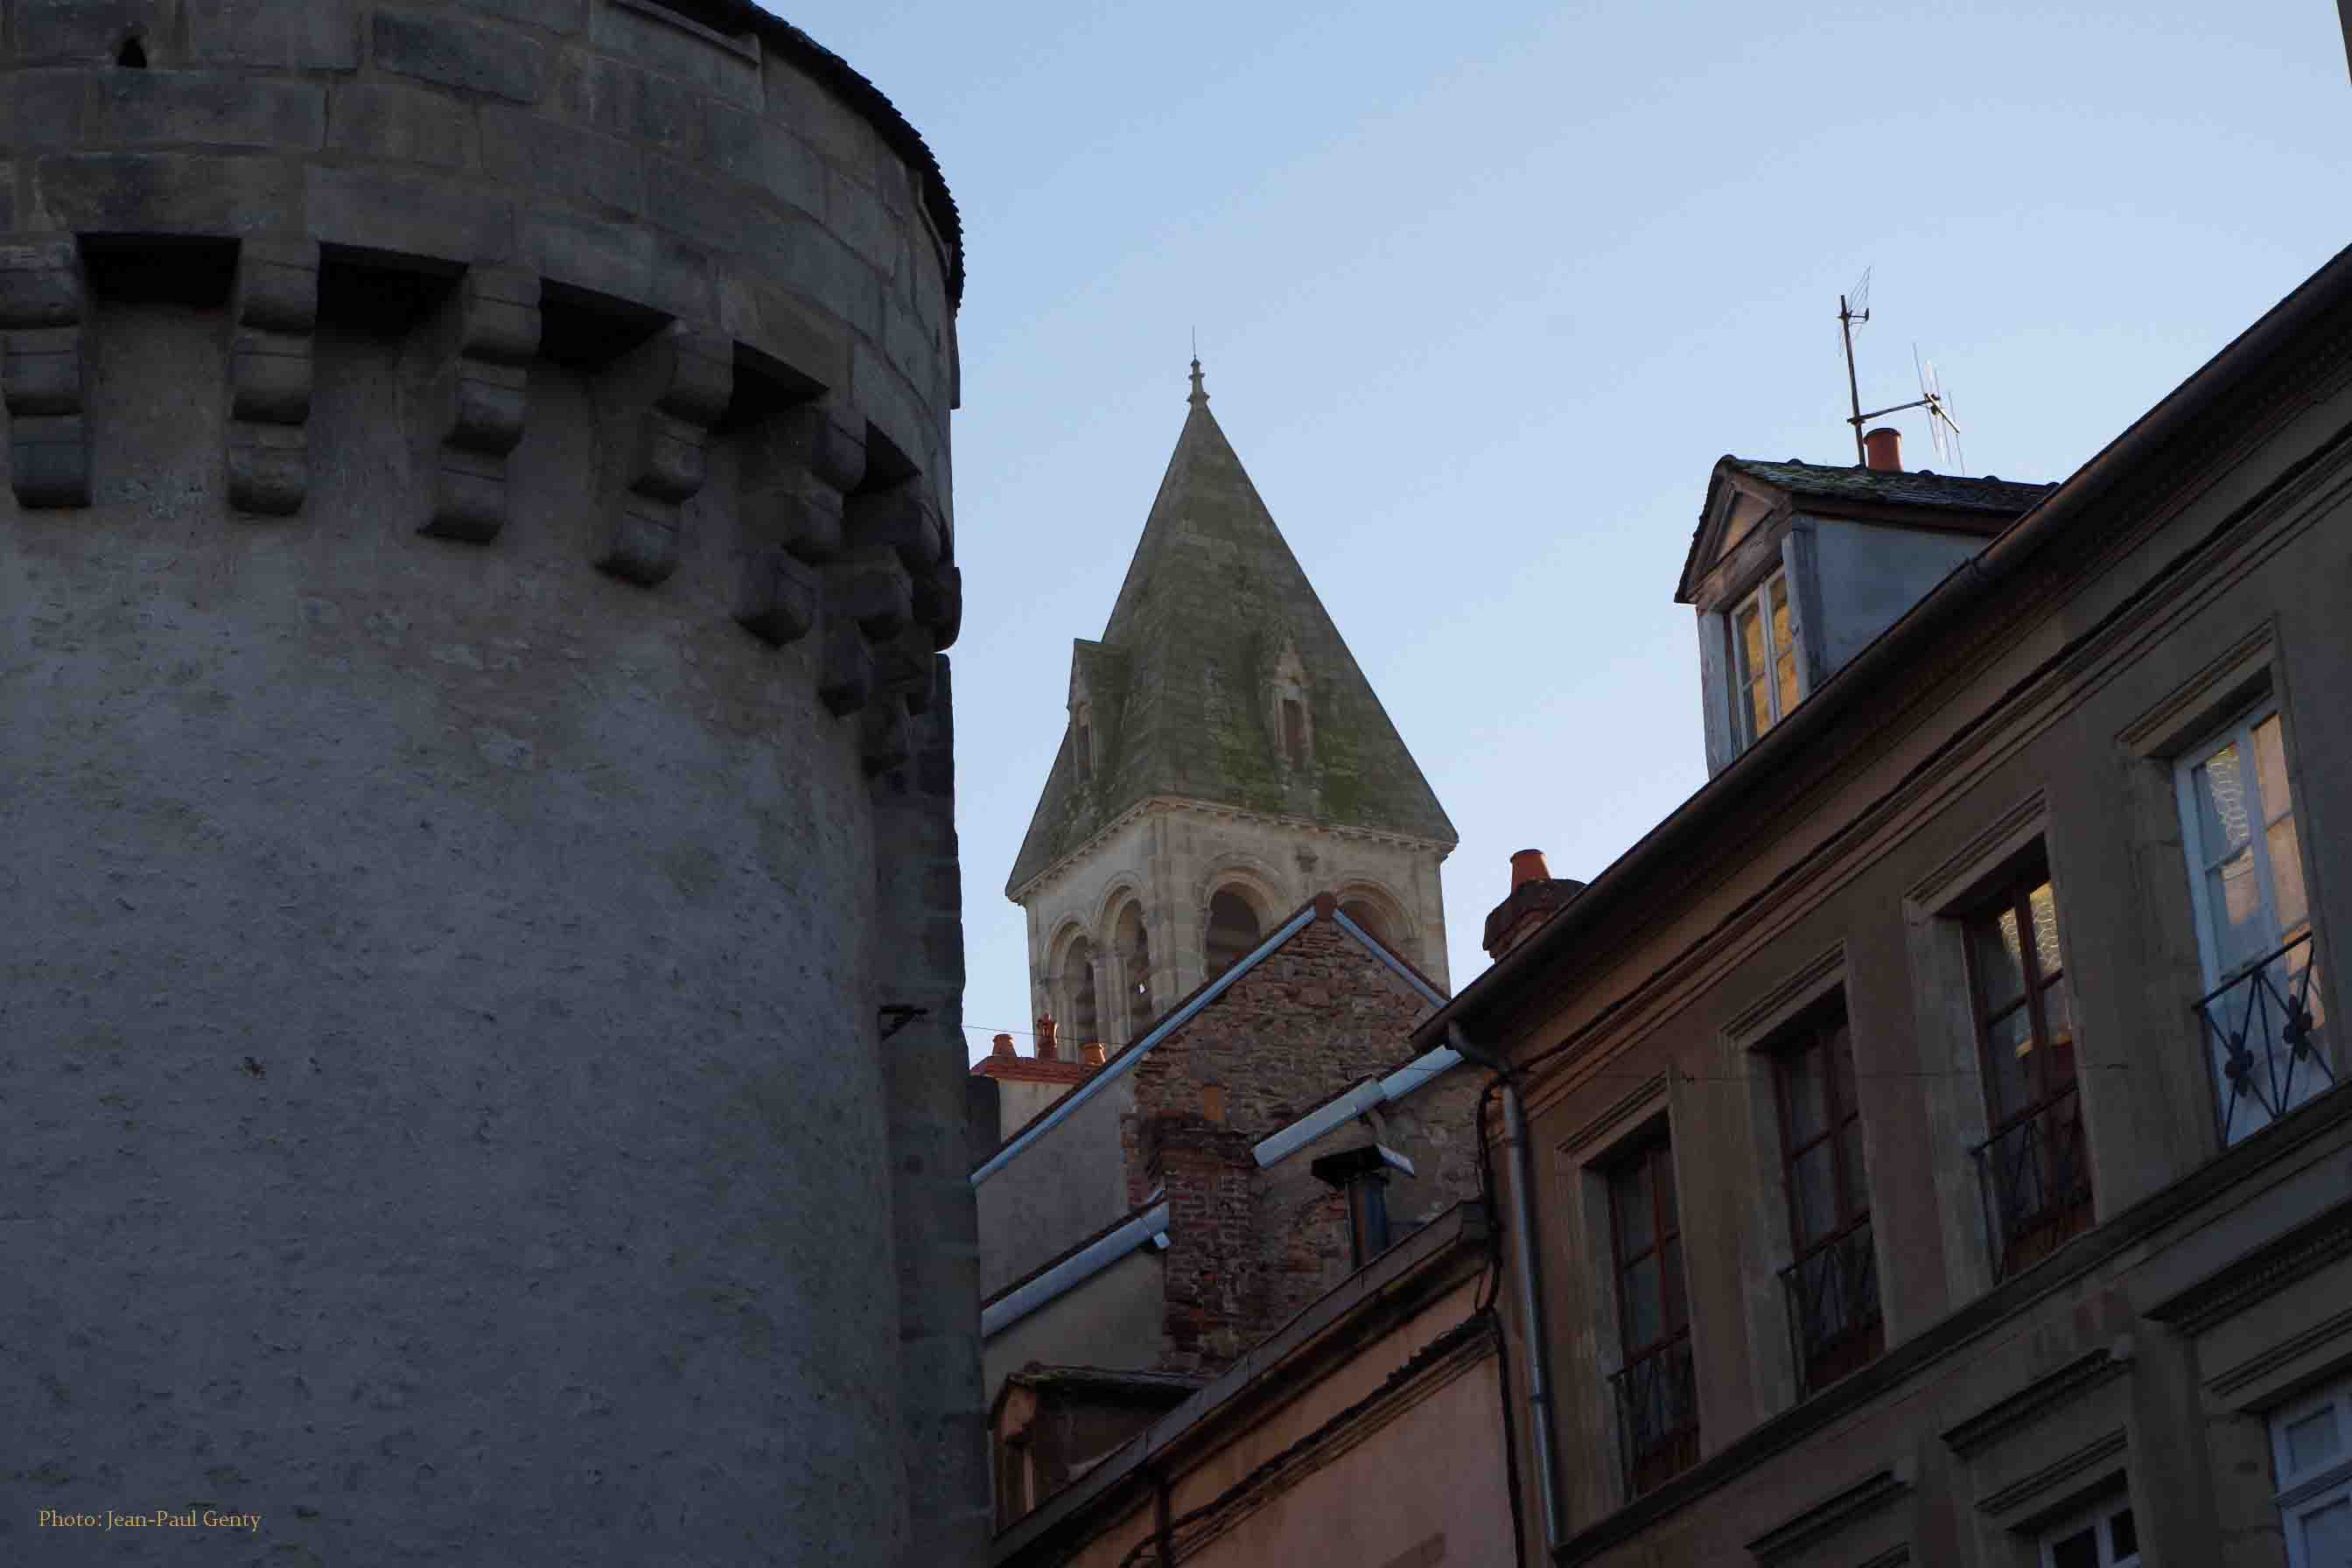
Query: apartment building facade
[1930,1148]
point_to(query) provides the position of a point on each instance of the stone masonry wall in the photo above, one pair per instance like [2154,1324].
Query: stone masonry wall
[475,760]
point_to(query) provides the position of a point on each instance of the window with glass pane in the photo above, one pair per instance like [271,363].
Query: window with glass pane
[1764,659]
[2311,1448]
[2034,1166]
[2263,1019]
[2104,1537]
[1657,1396]
[1833,1285]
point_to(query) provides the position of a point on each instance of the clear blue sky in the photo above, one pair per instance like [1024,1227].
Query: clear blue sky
[1483,291]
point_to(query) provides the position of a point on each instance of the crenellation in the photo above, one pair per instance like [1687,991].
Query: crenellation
[273,310]
[491,324]
[43,295]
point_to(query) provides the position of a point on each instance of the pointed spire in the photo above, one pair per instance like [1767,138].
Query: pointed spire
[1200,398]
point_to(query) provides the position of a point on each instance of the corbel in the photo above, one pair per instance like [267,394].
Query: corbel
[480,393]
[796,468]
[44,299]
[273,311]
[672,388]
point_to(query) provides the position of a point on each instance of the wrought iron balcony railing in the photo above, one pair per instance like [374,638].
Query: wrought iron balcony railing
[1835,1322]
[2267,1041]
[2035,1176]
[1657,1415]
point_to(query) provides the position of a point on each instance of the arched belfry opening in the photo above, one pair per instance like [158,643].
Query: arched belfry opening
[1234,929]
[1134,948]
[1376,924]
[1078,986]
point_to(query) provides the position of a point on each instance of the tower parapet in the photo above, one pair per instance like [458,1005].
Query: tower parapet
[478,546]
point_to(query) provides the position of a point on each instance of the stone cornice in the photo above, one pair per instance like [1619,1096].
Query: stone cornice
[2044,1393]
[1784,1541]
[2261,1274]
[1150,803]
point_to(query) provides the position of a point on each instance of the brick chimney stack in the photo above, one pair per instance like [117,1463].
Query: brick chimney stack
[1003,1048]
[1535,897]
[1048,1050]
[1882,450]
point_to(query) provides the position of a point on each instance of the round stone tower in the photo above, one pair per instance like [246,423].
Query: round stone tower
[481,1075]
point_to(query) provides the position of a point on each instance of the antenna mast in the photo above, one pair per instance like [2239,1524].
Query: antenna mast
[1854,308]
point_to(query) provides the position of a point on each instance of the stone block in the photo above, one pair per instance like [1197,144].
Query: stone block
[904,666]
[699,379]
[831,126]
[883,739]
[48,108]
[564,17]
[483,405]
[775,324]
[40,371]
[902,519]
[801,516]
[713,212]
[845,681]
[413,124]
[769,156]
[854,212]
[49,460]
[170,193]
[776,597]
[872,589]
[823,437]
[229,110]
[40,283]
[643,548]
[86,31]
[619,99]
[270,374]
[938,603]
[835,276]
[497,315]
[469,497]
[268,470]
[316,35]
[277,284]
[721,63]
[408,214]
[669,461]
[477,57]
[894,407]
[561,161]
[7,196]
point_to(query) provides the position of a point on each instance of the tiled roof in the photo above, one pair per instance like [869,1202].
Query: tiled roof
[1907,487]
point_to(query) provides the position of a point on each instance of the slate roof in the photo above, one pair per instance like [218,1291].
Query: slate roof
[1953,492]
[1181,681]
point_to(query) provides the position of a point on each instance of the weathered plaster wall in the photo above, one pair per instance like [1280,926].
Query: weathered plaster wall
[1870,575]
[1068,1183]
[1111,1320]
[439,1032]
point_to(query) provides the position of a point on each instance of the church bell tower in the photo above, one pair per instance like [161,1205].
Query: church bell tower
[1224,761]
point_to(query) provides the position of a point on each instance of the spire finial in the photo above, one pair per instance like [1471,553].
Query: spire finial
[1200,398]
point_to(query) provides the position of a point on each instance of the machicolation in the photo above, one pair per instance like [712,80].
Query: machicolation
[477,557]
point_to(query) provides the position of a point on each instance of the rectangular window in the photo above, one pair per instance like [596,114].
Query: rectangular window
[2311,1448]
[2104,1537]
[1833,1285]
[1764,659]
[1657,1392]
[2264,1020]
[2035,1167]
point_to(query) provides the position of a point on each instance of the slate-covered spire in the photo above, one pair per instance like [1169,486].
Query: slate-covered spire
[1215,626]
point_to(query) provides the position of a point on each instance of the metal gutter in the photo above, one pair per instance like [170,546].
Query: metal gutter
[1278,1146]
[1150,1225]
[1883,665]
[1068,1105]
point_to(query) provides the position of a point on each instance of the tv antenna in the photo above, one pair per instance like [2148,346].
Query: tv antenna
[1943,429]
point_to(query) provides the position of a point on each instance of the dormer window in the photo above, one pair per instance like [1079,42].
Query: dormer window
[1765,685]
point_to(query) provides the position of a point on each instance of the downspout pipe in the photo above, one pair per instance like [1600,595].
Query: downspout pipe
[1530,1282]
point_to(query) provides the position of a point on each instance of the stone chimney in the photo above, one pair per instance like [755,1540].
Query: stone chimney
[1048,1050]
[1004,1050]
[1535,897]
[1882,450]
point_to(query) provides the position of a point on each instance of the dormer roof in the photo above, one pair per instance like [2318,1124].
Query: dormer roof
[1182,676]
[1915,497]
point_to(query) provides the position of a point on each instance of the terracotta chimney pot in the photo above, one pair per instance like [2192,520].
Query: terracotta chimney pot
[1004,1046]
[1882,450]
[1527,866]
[1047,1051]
[1092,1054]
